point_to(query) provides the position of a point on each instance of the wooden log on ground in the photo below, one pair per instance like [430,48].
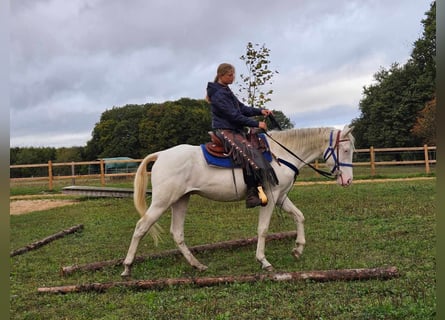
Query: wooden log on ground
[100,191]
[206,247]
[40,243]
[320,276]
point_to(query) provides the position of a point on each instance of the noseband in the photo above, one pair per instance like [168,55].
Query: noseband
[333,151]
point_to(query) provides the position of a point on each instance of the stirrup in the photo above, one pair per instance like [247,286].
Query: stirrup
[262,196]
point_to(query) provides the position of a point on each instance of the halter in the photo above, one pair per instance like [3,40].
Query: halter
[330,152]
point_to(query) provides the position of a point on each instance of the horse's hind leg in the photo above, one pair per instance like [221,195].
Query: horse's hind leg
[298,217]
[142,227]
[179,210]
[263,227]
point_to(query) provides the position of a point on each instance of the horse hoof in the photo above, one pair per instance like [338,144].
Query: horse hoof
[126,273]
[269,268]
[296,254]
[201,267]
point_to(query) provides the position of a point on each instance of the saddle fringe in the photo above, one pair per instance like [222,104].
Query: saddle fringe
[245,152]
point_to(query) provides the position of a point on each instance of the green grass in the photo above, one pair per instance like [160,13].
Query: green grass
[367,225]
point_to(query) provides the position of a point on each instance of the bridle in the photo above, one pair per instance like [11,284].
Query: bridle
[333,151]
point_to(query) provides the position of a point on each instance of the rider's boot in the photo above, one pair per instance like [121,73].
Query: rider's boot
[252,199]
[255,197]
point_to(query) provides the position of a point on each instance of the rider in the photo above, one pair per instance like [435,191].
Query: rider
[230,117]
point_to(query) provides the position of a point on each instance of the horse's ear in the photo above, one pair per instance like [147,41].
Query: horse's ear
[346,131]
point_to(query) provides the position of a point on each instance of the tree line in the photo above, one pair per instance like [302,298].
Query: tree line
[397,110]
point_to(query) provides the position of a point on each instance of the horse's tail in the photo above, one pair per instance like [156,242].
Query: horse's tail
[139,194]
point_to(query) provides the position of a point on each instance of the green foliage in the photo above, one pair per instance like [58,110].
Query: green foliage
[259,75]
[172,123]
[366,226]
[390,106]
[281,119]
[31,155]
[425,126]
[136,130]
[117,133]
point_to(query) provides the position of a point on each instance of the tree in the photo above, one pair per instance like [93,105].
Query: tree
[259,75]
[390,106]
[425,126]
[117,133]
[283,121]
[31,155]
[136,130]
[71,154]
[174,122]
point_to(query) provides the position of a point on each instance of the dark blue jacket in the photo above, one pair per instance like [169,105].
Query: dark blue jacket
[227,111]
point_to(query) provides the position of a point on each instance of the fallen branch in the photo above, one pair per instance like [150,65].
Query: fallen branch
[38,244]
[320,276]
[206,247]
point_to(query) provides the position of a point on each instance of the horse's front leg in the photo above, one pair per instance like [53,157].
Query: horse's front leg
[263,227]
[298,217]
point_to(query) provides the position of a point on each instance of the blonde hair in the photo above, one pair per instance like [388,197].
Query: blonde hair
[223,69]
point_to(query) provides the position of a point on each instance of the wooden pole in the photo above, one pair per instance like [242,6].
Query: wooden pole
[206,247]
[372,159]
[102,173]
[320,276]
[427,160]
[73,174]
[46,240]
[50,175]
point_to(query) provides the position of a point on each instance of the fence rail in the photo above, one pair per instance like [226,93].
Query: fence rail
[427,155]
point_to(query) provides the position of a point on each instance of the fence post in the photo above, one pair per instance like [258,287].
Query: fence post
[427,160]
[73,173]
[50,175]
[372,159]
[102,173]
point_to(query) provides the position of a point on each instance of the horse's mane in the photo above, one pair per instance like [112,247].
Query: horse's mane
[300,138]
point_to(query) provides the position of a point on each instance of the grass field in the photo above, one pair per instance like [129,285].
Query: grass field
[365,226]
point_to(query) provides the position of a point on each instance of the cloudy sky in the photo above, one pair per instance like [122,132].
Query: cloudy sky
[72,60]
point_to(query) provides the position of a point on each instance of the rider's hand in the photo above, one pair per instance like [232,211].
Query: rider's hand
[262,125]
[266,112]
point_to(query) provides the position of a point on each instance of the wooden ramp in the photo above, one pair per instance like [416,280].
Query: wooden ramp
[100,191]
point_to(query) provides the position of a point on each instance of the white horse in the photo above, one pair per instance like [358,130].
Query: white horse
[182,170]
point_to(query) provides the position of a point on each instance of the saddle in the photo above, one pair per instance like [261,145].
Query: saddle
[216,148]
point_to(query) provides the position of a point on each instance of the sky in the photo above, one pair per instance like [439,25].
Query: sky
[72,60]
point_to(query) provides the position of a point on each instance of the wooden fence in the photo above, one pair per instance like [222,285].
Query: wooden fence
[372,161]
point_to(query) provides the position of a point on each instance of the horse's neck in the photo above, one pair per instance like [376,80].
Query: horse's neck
[308,144]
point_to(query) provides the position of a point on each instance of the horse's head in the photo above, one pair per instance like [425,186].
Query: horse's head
[338,155]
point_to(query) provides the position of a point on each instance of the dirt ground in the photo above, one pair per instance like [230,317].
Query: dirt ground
[26,206]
